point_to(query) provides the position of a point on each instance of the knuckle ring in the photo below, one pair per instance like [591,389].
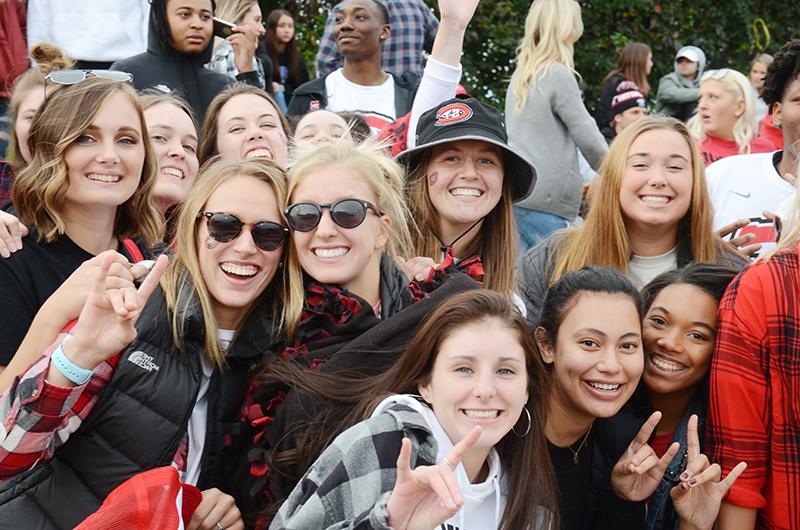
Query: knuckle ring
[219,526]
[451,466]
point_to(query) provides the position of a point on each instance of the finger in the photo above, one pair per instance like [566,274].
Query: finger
[695,467]
[139,270]
[113,282]
[151,280]
[120,271]
[692,439]
[117,301]
[224,504]
[643,460]
[203,509]
[461,448]
[742,240]
[728,229]
[6,241]
[727,482]
[100,280]
[130,298]
[404,462]
[752,250]
[709,474]
[646,431]
[769,216]
[665,459]
[433,477]
[23,232]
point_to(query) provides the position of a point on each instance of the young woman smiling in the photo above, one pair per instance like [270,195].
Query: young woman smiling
[467,446]
[652,214]
[85,190]
[167,391]
[245,122]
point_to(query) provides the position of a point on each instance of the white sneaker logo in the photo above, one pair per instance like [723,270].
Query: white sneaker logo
[144,361]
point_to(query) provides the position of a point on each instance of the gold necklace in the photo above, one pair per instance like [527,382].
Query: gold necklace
[576,452]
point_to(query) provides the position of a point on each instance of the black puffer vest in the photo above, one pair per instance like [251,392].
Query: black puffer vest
[139,420]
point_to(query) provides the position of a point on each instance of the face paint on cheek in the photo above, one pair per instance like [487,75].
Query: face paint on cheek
[433,177]
[211,243]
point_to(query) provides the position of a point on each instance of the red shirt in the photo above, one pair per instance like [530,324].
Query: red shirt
[770,132]
[661,442]
[713,148]
[754,402]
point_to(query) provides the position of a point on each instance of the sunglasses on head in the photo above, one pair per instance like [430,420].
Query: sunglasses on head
[347,213]
[72,77]
[225,227]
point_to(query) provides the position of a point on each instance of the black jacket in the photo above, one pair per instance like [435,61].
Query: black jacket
[139,420]
[163,67]
[405,88]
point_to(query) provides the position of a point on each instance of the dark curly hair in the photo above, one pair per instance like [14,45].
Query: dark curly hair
[783,70]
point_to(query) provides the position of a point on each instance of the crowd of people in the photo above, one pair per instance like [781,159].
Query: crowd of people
[239,297]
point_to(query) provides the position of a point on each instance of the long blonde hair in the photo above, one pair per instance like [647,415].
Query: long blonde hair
[737,84]
[384,177]
[495,243]
[603,239]
[40,190]
[551,29]
[183,282]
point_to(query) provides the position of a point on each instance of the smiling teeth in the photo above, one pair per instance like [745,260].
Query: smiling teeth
[173,171]
[465,192]
[239,270]
[653,198]
[330,252]
[259,153]
[605,387]
[666,365]
[481,413]
[103,178]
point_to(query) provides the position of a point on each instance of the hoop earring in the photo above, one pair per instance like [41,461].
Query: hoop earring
[529,424]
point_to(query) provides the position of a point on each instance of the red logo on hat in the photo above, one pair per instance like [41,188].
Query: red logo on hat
[314,105]
[452,113]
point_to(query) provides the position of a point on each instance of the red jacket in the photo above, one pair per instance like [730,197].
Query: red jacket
[13,46]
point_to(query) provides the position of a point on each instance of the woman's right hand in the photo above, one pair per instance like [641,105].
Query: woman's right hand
[425,497]
[106,322]
[418,268]
[11,233]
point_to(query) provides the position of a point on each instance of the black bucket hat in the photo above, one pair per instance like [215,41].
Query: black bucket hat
[469,119]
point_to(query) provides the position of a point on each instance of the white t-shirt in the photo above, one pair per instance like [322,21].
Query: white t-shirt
[198,421]
[642,269]
[742,187]
[374,103]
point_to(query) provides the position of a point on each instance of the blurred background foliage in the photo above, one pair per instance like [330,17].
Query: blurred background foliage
[730,33]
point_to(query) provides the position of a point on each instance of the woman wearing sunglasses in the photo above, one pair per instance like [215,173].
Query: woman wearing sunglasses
[725,121]
[85,190]
[168,391]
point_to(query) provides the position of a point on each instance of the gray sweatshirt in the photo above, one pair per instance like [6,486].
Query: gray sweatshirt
[552,125]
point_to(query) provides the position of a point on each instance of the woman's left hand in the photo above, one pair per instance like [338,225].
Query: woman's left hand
[216,510]
[418,268]
[637,474]
[699,495]
[244,41]
[457,12]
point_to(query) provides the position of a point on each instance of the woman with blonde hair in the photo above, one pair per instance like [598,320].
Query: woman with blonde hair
[547,121]
[168,391]
[725,121]
[635,64]
[235,56]
[651,213]
[85,190]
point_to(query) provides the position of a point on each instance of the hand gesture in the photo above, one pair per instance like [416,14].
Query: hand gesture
[244,41]
[216,510]
[739,242]
[106,323]
[637,474]
[11,234]
[418,268]
[425,497]
[459,13]
[698,497]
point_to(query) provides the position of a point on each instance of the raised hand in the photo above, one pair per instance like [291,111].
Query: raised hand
[698,497]
[457,12]
[425,497]
[106,322]
[639,471]
[244,41]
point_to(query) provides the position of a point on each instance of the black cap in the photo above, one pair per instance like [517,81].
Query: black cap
[469,119]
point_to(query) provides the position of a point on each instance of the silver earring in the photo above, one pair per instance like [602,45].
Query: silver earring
[529,424]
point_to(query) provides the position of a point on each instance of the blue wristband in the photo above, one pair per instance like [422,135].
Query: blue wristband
[68,369]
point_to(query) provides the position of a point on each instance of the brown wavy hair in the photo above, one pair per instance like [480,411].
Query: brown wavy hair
[528,471]
[40,189]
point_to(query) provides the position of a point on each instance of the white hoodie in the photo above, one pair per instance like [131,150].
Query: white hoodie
[483,503]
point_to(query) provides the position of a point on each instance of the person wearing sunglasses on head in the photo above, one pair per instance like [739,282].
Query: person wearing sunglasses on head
[85,190]
[179,44]
[107,400]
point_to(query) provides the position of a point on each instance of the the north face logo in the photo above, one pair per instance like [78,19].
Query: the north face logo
[452,113]
[142,360]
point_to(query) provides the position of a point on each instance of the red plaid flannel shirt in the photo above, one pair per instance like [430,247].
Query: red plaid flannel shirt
[754,408]
[38,417]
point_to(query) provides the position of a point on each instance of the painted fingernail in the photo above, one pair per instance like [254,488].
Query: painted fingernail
[685,475]
[4,253]
[693,481]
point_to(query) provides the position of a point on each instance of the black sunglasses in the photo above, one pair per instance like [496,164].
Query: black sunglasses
[225,227]
[347,213]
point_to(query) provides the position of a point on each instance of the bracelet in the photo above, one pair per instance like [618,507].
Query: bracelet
[68,369]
